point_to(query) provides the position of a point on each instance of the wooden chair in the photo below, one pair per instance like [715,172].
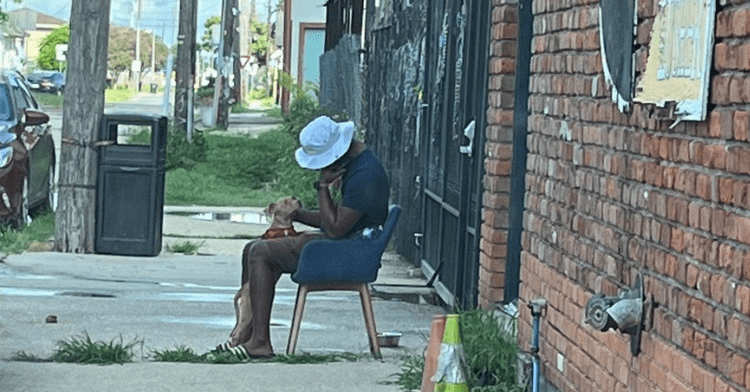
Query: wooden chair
[348,265]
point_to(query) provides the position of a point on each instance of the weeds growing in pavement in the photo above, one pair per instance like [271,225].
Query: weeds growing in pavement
[185,247]
[183,354]
[83,350]
[410,375]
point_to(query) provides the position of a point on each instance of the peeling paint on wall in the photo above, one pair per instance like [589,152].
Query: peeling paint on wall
[678,66]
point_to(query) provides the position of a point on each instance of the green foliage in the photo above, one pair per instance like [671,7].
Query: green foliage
[179,354]
[83,350]
[410,374]
[41,230]
[207,39]
[261,42]
[185,247]
[47,52]
[182,153]
[491,353]
[122,42]
[183,354]
[249,162]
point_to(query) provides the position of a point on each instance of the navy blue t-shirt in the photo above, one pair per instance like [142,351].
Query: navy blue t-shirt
[365,188]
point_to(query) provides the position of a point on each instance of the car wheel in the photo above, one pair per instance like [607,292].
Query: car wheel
[50,202]
[23,218]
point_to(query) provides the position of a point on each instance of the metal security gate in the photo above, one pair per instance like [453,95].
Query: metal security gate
[455,94]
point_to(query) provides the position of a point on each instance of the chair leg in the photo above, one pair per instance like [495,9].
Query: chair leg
[299,308]
[364,295]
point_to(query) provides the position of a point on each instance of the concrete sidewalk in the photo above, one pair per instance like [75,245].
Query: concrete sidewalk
[178,300]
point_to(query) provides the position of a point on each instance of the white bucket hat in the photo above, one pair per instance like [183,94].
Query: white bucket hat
[323,141]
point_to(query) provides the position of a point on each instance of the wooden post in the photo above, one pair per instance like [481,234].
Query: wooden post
[229,63]
[185,64]
[82,114]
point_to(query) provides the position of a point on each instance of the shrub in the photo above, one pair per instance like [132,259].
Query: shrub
[182,153]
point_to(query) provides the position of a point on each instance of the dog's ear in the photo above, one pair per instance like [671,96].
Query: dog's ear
[270,209]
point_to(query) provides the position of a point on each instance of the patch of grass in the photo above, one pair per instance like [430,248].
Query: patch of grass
[41,230]
[183,354]
[186,247]
[21,356]
[83,350]
[118,94]
[179,354]
[491,353]
[236,171]
[49,101]
[410,374]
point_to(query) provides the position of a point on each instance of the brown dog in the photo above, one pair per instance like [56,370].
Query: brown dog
[281,226]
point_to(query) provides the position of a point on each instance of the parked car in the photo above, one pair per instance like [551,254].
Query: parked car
[27,152]
[47,81]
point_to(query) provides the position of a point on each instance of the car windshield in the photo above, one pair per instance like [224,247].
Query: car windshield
[5,113]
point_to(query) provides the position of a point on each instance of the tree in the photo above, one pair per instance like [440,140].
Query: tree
[122,49]
[82,114]
[121,52]
[207,41]
[4,15]
[259,46]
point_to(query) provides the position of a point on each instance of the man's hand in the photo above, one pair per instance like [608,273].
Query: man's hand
[329,175]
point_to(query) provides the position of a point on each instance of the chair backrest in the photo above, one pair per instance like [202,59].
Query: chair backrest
[355,260]
[394,212]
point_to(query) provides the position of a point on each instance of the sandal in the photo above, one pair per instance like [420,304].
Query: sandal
[226,346]
[241,353]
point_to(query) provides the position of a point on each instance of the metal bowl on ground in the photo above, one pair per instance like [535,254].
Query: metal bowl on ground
[388,339]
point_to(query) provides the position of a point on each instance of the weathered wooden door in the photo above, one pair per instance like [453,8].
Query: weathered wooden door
[455,97]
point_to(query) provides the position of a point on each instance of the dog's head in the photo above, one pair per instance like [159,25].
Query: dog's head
[281,210]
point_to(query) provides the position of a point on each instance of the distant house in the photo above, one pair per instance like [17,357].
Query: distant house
[33,26]
[304,39]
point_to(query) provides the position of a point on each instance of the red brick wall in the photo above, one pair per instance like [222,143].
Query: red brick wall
[496,198]
[612,194]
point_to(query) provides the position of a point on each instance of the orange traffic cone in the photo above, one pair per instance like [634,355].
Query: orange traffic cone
[449,376]
[432,352]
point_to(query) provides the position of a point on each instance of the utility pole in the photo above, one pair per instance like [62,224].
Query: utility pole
[228,65]
[137,63]
[86,81]
[185,66]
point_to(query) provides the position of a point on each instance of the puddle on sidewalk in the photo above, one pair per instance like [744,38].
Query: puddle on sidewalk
[237,217]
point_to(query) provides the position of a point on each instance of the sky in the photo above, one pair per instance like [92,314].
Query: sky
[157,15]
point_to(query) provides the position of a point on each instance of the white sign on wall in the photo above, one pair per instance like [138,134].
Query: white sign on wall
[679,61]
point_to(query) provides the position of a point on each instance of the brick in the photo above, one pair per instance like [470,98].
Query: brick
[718,283]
[742,299]
[739,21]
[738,332]
[720,124]
[741,125]
[723,24]
[720,87]
[743,229]
[745,266]
[726,190]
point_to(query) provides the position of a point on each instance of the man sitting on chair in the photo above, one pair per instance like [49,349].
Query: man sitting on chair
[327,146]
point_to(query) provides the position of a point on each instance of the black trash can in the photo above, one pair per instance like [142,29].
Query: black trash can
[153,88]
[130,185]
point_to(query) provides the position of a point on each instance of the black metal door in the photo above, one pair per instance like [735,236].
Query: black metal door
[455,90]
